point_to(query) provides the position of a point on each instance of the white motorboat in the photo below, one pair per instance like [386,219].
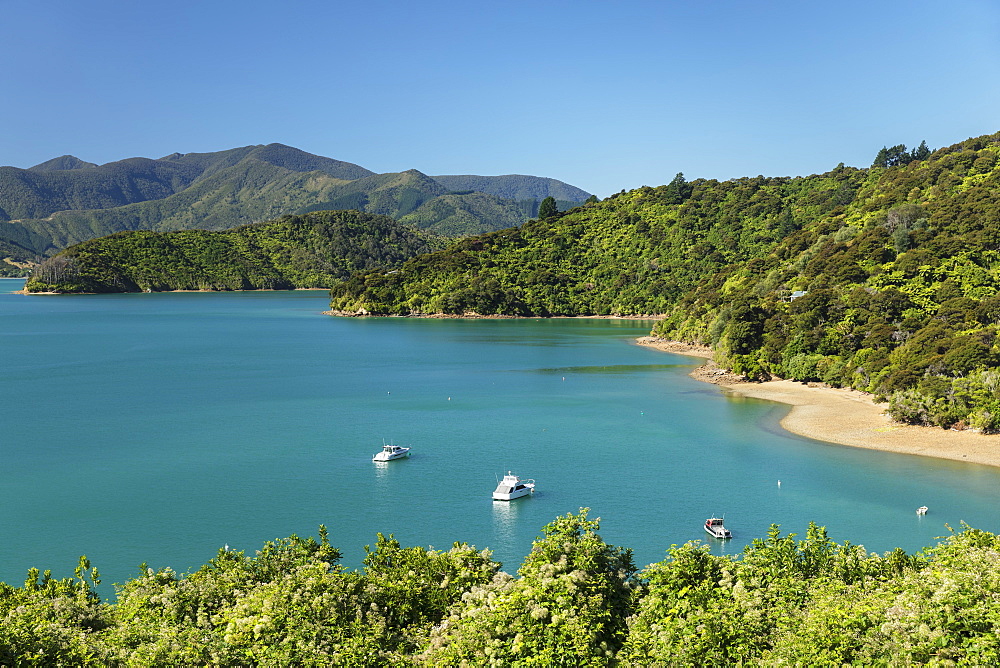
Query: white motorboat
[922,510]
[714,527]
[512,487]
[390,452]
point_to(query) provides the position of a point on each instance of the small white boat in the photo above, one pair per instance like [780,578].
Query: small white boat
[390,452]
[715,528]
[512,487]
[922,510]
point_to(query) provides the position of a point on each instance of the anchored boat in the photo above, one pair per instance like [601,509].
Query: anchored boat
[390,452]
[715,528]
[512,487]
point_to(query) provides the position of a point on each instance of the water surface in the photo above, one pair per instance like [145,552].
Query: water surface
[159,427]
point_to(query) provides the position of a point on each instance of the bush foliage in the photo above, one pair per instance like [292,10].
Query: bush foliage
[576,600]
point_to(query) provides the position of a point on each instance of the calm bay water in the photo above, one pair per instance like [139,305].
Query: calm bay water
[159,427]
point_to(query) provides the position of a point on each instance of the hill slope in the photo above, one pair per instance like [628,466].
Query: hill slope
[307,251]
[634,253]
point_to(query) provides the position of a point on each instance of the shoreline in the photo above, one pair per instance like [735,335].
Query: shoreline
[841,416]
[158,292]
[477,316]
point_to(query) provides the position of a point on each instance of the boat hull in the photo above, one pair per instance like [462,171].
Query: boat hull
[389,456]
[516,494]
[716,529]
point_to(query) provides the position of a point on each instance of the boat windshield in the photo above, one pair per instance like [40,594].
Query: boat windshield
[502,489]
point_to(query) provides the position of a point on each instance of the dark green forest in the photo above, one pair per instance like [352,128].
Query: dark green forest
[575,600]
[310,251]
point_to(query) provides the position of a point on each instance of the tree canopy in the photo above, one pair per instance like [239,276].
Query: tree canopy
[576,600]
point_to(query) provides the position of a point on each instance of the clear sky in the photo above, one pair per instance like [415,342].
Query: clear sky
[603,95]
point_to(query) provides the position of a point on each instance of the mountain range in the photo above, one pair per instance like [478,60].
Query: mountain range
[66,200]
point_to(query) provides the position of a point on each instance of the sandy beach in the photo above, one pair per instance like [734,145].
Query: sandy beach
[846,417]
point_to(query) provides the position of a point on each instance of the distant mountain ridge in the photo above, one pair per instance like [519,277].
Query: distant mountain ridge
[67,200]
[62,162]
[514,186]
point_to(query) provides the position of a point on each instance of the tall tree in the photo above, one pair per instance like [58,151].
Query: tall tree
[678,189]
[548,208]
[921,152]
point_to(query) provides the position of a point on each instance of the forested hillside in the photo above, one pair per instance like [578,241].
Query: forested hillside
[65,200]
[634,253]
[309,251]
[894,293]
[575,600]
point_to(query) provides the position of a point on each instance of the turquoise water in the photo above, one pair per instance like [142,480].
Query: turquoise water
[159,427]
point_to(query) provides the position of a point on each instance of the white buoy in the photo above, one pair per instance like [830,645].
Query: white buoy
[779,483]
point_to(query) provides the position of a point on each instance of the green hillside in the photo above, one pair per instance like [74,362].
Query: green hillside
[309,251]
[457,215]
[575,601]
[894,293]
[634,253]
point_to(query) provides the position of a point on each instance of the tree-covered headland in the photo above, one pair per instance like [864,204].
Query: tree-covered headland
[575,600]
[310,251]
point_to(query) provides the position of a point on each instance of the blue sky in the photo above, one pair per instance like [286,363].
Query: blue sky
[606,96]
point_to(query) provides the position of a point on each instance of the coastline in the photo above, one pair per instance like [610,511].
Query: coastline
[157,292]
[477,316]
[841,416]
